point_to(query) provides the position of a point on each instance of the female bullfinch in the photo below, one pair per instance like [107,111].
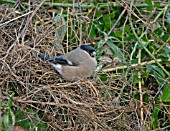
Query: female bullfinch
[77,64]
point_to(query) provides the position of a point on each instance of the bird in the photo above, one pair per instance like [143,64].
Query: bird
[77,64]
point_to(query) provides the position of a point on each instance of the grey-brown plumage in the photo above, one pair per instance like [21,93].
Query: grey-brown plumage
[76,64]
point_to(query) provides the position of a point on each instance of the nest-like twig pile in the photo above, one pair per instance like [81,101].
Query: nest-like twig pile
[84,105]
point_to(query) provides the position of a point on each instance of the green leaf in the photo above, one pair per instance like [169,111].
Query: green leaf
[103,78]
[112,15]
[117,51]
[130,37]
[144,43]
[150,7]
[145,74]
[158,69]
[136,80]
[108,22]
[42,126]
[165,37]
[95,2]
[146,98]
[127,28]
[92,31]
[10,100]
[118,33]
[149,2]
[9,103]
[111,37]
[136,95]
[167,50]
[5,120]
[98,13]
[12,116]
[105,18]
[157,77]
[166,93]
[158,32]
[157,4]
[155,74]
[155,116]
[165,53]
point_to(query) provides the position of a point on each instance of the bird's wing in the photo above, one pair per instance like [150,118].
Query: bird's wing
[57,60]
[75,56]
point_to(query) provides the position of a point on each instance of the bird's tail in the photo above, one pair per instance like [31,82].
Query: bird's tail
[57,60]
[46,58]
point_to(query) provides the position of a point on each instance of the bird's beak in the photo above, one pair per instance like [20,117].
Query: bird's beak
[93,54]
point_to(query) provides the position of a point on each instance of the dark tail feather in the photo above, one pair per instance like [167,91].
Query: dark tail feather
[46,58]
[56,60]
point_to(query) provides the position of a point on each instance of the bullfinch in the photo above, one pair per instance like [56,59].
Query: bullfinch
[77,64]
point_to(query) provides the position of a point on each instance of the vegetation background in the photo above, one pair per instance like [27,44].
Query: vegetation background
[131,87]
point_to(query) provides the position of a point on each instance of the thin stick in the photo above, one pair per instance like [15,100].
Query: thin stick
[15,18]
[133,65]
[117,20]
[140,90]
